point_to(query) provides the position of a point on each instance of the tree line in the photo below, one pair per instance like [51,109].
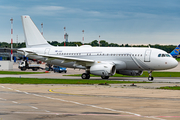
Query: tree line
[103,43]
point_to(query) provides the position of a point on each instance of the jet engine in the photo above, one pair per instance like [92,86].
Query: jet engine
[130,72]
[103,69]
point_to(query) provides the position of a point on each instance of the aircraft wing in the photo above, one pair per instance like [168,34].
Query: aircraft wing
[78,61]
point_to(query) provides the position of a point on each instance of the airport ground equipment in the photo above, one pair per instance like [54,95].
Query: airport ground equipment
[59,69]
[24,66]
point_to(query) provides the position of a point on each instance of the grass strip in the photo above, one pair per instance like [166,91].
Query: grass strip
[19,72]
[10,80]
[178,59]
[170,88]
[145,74]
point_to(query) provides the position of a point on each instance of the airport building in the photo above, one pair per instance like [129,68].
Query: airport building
[5,54]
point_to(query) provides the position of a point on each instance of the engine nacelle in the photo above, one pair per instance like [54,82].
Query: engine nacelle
[130,72]
[103,69]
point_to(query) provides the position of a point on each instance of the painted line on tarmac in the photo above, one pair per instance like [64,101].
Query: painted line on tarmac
[15,102]
[10,88]
[50,90]
[33,107]
[47,111]
[74,102]
[2,99]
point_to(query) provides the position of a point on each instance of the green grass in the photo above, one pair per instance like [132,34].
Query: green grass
[60,81]
[170,88]
[145,74]
[178,59]
[19,72]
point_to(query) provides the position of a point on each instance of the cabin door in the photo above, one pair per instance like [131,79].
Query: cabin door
[147,56]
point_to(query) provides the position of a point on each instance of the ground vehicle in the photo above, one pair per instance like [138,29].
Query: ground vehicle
[24,65]
[48,67]
[59,69]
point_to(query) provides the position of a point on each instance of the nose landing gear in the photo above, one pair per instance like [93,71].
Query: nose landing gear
[150,78]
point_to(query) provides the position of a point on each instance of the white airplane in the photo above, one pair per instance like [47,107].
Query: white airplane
[103,61]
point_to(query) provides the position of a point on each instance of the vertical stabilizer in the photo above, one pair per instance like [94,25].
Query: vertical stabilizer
[33,36]
[176,51]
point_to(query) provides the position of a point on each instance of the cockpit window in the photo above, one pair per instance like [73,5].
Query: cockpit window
[164,55]
[167,55]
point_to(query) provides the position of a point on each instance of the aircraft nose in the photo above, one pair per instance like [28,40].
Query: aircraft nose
[174,63]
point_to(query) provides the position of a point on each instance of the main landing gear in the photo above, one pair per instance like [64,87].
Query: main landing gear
[150,78]
[85,76]
[105,77]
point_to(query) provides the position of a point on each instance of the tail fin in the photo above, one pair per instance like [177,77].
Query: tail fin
[176,51]
[33,37]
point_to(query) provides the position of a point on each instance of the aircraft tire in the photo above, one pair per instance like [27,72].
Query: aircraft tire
[105,77]
[150,78]
[85,76]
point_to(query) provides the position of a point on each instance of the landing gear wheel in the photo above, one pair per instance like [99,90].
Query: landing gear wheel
[150,78]
[105,77]
[85,76]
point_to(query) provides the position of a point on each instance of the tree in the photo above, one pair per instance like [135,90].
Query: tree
[103,43]
[94,43]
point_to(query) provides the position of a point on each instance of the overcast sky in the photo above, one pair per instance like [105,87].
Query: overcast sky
[117,21]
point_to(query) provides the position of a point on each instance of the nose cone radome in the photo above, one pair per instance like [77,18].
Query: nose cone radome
[173,63]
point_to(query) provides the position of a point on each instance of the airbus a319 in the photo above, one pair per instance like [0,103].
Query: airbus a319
[102,61]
